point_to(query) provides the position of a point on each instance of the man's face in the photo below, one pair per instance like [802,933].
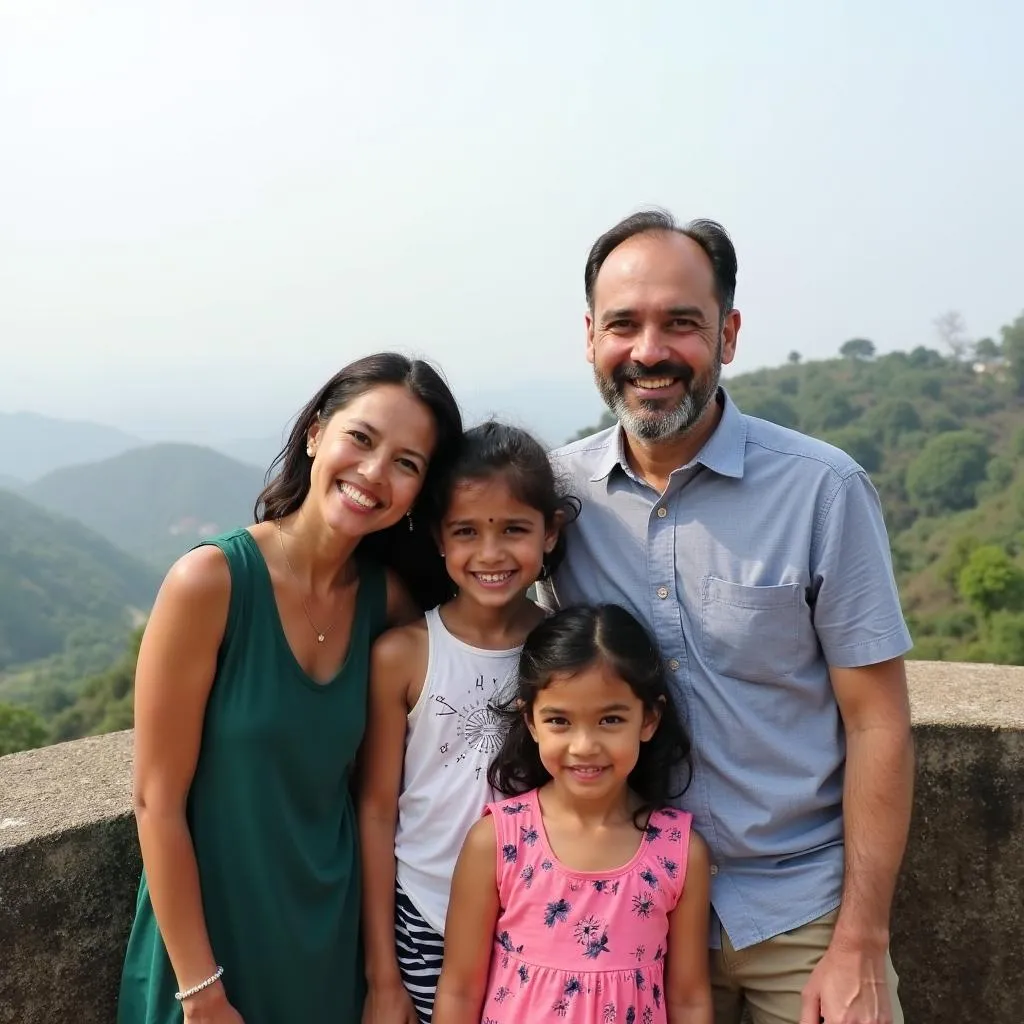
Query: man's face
[655,335]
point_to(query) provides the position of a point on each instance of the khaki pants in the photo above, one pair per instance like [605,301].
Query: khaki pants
[768,978]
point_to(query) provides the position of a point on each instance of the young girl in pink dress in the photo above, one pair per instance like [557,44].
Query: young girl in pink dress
[583,897]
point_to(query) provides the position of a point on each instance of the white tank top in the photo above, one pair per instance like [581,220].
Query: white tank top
[451,738]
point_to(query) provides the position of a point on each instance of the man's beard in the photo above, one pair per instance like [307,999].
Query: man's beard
[650,420]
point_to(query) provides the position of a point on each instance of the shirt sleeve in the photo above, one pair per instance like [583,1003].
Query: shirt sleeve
[857,612]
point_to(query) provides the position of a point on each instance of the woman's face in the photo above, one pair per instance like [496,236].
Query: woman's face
[370,459]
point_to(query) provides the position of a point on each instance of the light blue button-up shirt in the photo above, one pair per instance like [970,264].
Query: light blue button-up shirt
[765,561]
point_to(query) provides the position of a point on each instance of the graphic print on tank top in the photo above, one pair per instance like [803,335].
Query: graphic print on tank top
[478,728]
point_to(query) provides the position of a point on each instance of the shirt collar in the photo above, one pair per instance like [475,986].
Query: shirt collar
[722,453]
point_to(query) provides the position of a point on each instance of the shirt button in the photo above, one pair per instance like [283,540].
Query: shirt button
[714,869]
[674,665]
[662,592]
[662,512]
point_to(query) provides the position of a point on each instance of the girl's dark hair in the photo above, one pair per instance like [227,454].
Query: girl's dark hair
[413,555]
[567,643]
[492,449]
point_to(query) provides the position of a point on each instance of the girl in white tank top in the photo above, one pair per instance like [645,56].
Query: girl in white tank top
[431,732]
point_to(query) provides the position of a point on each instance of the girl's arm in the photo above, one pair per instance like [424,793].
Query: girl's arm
[176,665]
[469,929]
[687,979]
[395,657]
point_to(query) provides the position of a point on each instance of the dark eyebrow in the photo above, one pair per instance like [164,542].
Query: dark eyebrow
[604,711]
[686,312]
[616,314]
[520,521]
[673,312]
[370,429]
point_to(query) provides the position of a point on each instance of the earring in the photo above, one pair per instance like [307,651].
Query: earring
[408,515]
[309,451]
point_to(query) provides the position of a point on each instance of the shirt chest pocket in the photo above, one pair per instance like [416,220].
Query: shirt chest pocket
[751,632]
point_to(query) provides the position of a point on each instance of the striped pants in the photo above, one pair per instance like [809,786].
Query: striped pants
[420,952]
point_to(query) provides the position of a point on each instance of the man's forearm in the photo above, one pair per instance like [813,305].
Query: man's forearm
[877,801]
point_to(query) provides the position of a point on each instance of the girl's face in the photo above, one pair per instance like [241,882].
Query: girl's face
[370,459]
[493,544]
[588,728]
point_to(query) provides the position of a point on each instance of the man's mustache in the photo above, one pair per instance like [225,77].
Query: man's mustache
[629,372]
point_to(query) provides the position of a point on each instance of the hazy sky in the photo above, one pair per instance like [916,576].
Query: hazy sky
[206,208]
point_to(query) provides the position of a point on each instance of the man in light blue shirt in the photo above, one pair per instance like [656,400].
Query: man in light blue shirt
[759,560]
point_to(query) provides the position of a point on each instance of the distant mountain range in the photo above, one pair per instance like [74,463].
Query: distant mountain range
[156,501]
[31,445]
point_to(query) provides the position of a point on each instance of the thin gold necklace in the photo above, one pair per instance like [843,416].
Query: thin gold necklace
[321,634]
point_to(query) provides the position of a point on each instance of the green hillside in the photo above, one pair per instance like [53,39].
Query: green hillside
[68,598]
[154,502]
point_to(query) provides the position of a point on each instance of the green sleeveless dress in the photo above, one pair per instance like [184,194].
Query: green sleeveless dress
[272,820]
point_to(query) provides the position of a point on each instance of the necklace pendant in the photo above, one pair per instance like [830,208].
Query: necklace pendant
[319,638]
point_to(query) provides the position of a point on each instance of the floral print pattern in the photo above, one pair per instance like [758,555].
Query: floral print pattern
[581,947]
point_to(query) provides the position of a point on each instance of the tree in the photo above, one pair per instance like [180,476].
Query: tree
[946,475]
[860,445]
[923,358]
[20,729]
[828,410]
[774,409]
[952,332]
[1004,642]
[793,358]
[857,348]
[991,581]
[987,350]
[895,417]
[1013,352]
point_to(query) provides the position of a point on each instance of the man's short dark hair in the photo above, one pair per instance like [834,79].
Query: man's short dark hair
[708,234]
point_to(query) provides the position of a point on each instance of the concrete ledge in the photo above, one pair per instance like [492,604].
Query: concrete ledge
[69,863]
[69,871]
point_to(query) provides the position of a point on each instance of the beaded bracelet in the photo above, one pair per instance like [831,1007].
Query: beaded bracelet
[196,989]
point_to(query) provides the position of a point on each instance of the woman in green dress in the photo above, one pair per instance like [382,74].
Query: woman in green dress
[250,703]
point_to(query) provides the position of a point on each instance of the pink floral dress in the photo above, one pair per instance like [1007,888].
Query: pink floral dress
[581,947]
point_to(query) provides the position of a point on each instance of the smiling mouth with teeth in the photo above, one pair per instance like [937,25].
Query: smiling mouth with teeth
[356,495]
[653,383]
[493,577]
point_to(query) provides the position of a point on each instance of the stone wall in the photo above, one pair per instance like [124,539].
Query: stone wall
[69,863]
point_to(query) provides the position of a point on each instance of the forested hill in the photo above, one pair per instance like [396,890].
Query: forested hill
[942,436]
[67,595]
[154,502]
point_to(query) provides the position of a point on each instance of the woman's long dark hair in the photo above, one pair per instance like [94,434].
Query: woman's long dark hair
[413,555]
[566,643]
